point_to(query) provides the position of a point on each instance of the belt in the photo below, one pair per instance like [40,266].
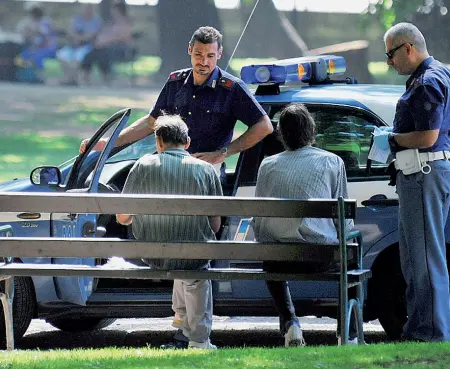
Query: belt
[411,161]
[433,156]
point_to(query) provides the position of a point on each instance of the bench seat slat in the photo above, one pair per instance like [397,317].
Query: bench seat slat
[132,249]
[172,205]
[19,269]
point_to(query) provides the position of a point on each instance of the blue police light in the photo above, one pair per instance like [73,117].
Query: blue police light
[304,69]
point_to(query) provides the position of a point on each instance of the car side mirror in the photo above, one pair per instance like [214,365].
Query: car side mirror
[46,176]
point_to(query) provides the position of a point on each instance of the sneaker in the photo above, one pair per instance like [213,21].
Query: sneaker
[294,335]
[175,345]
[353,341]
[207,345]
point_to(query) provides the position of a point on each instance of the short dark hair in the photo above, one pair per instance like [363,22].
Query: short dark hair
[172,129]
[296,127]
[206,35]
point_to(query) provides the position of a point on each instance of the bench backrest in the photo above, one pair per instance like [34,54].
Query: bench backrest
[174,205]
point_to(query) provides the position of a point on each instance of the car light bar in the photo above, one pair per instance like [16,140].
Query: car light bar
[304,69]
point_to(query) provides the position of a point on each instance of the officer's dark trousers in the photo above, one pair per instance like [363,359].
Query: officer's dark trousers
[424,207]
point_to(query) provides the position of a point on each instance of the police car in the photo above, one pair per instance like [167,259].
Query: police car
[346,114]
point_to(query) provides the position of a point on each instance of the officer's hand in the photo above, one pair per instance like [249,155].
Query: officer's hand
[98,147]
[381,140]
[215,157]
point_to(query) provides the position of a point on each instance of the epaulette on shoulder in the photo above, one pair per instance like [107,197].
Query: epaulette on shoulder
[226,82]
[179,75]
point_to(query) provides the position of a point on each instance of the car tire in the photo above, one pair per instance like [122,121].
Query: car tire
[82,324]
[387,290]
[24,306]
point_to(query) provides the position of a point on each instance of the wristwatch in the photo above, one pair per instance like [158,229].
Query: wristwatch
[224,151]
[392,142]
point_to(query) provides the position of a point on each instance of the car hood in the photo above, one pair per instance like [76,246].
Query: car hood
[18,185]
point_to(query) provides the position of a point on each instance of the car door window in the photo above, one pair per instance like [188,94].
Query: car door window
[346,132]
[86,163]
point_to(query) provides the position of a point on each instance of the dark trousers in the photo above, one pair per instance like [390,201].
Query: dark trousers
[104,58]
[279,290]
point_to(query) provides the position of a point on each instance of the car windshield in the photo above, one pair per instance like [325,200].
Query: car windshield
[134,151]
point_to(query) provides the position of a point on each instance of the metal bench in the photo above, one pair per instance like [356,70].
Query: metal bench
[347,252]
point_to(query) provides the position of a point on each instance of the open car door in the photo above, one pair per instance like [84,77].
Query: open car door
[84,178]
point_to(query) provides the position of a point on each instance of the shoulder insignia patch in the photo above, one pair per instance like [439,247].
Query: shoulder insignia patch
[226,83]
[179,75]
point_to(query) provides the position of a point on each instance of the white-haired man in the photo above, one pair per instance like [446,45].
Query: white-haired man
[421,143]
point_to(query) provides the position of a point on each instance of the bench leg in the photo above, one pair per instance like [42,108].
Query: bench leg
[351,315]
[7,302]
[342,327]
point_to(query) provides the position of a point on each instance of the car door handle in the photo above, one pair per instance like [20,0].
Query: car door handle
[378,202]
[89,229]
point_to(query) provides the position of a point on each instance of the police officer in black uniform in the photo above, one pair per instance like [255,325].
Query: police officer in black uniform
[209,100]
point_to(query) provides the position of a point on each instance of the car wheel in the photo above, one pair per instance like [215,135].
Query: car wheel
[387,289]
[82,324]
[23,308]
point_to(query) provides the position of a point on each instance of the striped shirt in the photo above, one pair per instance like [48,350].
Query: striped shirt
[305,173]
[174,172]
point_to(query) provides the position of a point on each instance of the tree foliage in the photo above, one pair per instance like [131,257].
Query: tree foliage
[389,12]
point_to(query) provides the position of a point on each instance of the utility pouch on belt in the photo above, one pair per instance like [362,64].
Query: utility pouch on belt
[412,161]
[408,161]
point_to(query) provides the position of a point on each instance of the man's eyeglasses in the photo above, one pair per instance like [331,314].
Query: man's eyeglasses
[390,53]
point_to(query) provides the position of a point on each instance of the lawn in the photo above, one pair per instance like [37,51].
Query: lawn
[44,125]
[406,355]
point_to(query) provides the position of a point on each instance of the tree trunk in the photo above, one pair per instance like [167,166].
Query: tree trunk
[177,22]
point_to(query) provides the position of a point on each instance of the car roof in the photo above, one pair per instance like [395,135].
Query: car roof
[380,99]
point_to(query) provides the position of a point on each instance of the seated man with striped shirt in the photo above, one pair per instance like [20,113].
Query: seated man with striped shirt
[300,172]
[173,171]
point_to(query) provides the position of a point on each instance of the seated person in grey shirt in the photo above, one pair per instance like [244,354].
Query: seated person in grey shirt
[300,172]
[174,171]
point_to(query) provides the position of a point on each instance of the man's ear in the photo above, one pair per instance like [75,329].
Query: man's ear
[188,143]
[409,48]
[159,144]
[219,53]
[189,50]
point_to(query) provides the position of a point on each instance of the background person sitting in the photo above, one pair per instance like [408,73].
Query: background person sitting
[111,45]
[82,32]
[39,38]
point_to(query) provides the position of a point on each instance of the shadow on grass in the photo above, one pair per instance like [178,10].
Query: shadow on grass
[222,338]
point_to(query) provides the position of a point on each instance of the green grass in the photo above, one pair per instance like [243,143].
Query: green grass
[26,151]
[411,356]
[56,142]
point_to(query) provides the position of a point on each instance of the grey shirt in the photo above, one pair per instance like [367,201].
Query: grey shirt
[305,173]
[174,172]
